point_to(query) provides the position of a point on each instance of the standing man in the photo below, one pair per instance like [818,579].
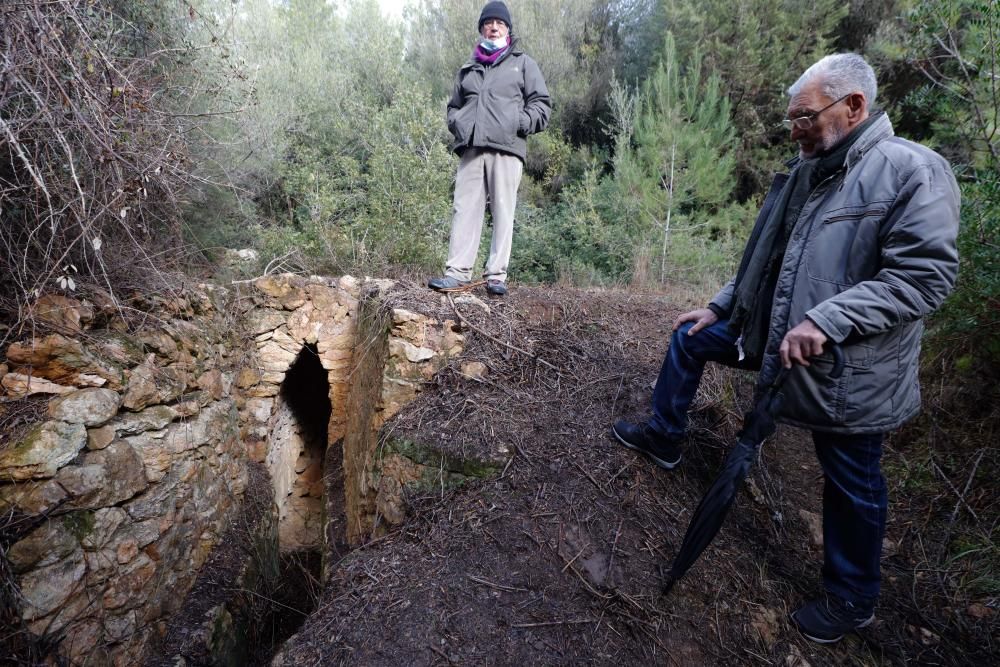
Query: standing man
[854,247]
[499,99]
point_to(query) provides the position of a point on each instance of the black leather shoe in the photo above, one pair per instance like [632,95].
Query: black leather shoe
[828,619]
[446,283]
[642,438]
[496,287]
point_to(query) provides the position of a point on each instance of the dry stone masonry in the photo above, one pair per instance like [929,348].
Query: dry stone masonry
[119,494]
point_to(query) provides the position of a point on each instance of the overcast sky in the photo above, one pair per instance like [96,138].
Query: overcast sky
[393,8]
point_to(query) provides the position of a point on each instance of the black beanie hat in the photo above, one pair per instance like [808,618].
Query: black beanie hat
[495,10]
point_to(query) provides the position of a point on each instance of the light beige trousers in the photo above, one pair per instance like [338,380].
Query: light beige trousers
[482,174]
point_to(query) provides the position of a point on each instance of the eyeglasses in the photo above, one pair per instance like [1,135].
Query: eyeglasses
[806,121]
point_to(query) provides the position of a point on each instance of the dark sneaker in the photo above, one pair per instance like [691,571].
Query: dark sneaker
[496,287]
[446,283]
[642,438]
[827,620]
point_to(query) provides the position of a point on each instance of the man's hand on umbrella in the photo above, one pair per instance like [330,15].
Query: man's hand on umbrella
[703,317]
[801,342]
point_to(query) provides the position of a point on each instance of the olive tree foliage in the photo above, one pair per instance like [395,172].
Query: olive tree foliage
[342,150]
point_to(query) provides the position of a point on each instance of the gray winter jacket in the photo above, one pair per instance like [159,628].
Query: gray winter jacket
[500,105]
[872,252]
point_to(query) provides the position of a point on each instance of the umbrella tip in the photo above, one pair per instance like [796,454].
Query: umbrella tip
[669,586]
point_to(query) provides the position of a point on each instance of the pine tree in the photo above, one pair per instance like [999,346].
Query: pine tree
[678,170]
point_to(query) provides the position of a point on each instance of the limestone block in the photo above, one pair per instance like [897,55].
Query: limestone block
[260,408]
[31,498]
[191,338]
[409,326]
[382,285]
[145,532]
[44,546]
[107,477]
[90,407]
[74,608]
[87,380]
[160,449]
[286,287]
[148,385]
[63,313]
[247,377]
[213,383]
[101,566]
[120,628]
[106,522]
[350,284]
[126,550]
[334,336]
[409,351]
[44,450]
[154,450]
[160,342]
[46,589]
[81,481]
[129,587]
[326,300]
[157,503]
[101,437]
[273,357]
[285,341]
[81,640]
[19,385]
[263,320]
[304,324]
[63,360]
[267,389]
[154,418]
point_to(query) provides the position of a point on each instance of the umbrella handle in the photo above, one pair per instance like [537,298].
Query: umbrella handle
[838,361]
[775,399]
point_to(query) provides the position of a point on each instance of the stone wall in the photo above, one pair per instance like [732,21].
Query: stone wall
[119,494]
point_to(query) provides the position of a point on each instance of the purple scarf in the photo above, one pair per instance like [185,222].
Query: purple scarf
[481,55]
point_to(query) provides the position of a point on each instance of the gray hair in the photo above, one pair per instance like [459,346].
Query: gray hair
[839,75]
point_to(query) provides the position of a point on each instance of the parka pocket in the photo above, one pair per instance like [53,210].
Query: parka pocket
[844,248]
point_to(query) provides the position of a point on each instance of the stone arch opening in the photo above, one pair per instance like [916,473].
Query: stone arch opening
[299,450]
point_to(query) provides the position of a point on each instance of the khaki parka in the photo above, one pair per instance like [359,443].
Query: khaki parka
[873,251]
[498,106]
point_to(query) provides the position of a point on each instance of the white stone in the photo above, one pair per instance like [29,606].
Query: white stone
[19,385]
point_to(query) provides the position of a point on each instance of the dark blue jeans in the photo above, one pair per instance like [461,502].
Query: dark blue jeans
[855,499]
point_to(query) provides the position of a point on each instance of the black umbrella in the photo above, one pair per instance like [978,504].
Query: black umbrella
[758,425]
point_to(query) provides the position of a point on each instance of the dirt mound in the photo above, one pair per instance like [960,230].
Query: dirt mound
[559,559]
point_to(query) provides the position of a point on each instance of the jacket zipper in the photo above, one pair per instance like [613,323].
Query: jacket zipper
[866,214]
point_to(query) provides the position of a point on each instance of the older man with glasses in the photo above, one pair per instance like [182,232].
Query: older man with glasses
[854,246]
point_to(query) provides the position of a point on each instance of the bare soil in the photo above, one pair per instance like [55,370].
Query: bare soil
[560,559]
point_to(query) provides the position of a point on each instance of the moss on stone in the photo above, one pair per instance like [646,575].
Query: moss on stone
[80,524]
[435,460]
